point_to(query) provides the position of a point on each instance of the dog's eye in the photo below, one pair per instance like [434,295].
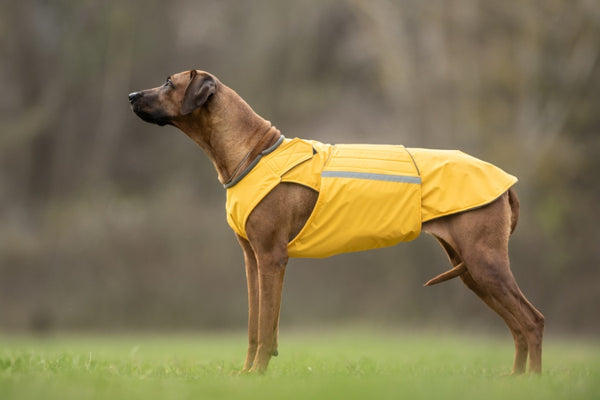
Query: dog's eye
[169,82]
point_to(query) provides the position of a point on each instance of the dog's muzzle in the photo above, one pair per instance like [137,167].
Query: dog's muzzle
[142,110]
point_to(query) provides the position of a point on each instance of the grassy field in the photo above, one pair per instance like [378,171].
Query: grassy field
[311,366]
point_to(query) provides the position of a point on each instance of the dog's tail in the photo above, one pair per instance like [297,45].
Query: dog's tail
[513,201]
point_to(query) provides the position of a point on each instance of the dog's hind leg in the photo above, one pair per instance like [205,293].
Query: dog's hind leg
[521,346]
[483,245]
[485,252]
[480,239]
[519,338]
[491,276]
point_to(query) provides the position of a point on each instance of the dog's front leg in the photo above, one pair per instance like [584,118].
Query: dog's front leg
[271,270]
[276,219]
[252,281]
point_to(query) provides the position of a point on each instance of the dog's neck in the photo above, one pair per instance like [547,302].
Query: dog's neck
[248,160]
[232,143]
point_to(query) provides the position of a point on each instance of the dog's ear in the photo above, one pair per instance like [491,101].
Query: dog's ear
[197,93]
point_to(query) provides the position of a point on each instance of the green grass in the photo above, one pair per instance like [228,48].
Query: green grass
[311,366]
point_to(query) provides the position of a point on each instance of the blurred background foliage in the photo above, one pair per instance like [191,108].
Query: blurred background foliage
[108,223]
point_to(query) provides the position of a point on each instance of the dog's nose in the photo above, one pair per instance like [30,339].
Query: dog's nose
[133,96]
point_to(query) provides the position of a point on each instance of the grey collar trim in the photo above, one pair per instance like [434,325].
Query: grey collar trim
[253,163]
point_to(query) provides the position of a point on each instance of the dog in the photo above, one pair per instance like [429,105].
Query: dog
[239,143]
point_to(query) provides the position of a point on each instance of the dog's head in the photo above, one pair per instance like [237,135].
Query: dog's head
[178,97]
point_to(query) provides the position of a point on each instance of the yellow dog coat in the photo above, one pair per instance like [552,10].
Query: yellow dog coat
[370,196]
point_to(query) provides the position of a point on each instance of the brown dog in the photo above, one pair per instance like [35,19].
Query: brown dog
[233,136]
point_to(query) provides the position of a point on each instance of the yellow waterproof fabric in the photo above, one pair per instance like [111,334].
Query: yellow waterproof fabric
[454,181]
[370,196]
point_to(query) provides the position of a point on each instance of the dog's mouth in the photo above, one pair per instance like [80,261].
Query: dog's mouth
[140,108]
[153,119]
[150,117]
